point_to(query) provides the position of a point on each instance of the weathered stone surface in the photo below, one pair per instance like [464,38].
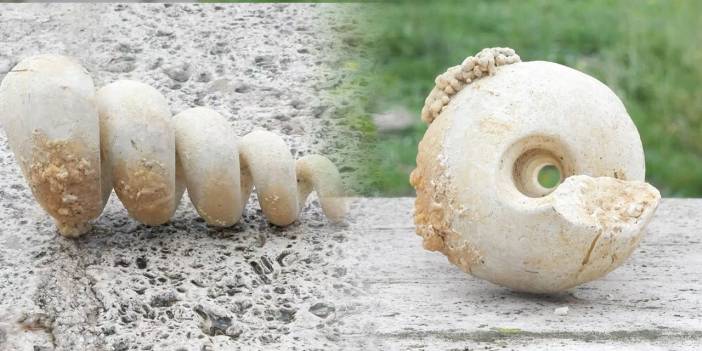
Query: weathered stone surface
[263,286]
[413,298]
[182,285]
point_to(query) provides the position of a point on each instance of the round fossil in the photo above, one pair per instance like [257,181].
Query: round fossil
[480,199]
[74,145]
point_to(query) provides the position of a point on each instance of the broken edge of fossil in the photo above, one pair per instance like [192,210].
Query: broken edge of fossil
[611,211]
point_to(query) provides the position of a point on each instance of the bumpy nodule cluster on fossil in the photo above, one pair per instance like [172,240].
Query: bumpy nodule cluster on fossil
[455,78]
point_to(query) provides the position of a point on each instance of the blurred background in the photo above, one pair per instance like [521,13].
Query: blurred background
[648,52]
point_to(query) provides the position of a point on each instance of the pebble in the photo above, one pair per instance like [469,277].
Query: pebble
[561,311]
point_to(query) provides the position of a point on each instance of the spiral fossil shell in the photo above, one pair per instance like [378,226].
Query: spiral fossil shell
[75,145]
[478,198]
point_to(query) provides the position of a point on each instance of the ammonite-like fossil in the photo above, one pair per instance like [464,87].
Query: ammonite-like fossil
[496,123]
[75,144]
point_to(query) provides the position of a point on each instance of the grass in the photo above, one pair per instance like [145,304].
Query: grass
[648,52]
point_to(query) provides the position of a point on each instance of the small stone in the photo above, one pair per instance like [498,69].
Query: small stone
[561,311]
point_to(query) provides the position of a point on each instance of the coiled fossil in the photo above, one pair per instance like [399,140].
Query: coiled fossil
[74,145]
[495,123]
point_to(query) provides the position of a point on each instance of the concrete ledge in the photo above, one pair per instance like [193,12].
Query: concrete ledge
[365,285]
[416,299]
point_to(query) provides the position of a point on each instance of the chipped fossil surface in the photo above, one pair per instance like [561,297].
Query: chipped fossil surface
[74,145]
[494,126]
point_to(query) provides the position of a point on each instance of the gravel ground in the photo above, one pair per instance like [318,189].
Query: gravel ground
[183,285]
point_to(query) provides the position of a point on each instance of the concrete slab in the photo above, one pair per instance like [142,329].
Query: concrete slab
[415,299]
[365,285]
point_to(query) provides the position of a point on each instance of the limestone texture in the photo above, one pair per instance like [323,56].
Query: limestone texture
[184,285]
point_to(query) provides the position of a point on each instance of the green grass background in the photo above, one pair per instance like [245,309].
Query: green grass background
[648,52]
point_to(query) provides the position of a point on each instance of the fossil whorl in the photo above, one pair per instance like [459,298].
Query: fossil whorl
[74,145]
[479,200]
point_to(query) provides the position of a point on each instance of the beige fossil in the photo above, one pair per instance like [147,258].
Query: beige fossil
[495,123]
[74,145]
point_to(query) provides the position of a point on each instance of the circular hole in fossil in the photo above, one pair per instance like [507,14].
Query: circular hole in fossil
[537,172]
[549,176]
[534,166]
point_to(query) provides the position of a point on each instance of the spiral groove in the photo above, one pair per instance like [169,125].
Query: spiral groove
[75,145]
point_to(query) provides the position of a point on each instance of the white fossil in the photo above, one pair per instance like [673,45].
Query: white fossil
[74,145]
[495,124]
